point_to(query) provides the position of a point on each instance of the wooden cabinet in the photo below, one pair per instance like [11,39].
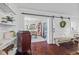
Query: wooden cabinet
[24,41]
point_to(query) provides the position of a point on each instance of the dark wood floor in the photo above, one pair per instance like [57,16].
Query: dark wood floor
[42,48]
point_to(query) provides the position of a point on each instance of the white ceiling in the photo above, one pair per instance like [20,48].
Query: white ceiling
[60,8]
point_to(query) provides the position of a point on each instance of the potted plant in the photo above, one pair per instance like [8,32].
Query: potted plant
[7,18]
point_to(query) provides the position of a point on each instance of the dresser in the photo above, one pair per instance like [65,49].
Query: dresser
[23,41]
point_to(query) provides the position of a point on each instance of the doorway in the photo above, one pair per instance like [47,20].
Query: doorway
[37,25]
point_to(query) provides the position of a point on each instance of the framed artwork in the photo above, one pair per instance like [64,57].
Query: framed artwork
[32,27]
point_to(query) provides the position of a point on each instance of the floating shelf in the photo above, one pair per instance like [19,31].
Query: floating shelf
[7,24]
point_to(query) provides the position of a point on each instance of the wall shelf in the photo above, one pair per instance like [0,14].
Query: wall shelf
[7,24]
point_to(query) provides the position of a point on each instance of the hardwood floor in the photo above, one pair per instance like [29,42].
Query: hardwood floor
[42,48]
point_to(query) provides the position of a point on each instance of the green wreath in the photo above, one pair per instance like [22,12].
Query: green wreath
[62,24]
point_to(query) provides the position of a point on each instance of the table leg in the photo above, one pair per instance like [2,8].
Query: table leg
[78,48]
[56,42]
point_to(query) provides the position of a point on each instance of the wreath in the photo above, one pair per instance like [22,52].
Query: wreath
[62,24]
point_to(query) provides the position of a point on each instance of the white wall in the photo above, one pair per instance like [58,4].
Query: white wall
[50,38]
[19,22]
[75,25]
[50,30]
[61,32]
[49,20]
